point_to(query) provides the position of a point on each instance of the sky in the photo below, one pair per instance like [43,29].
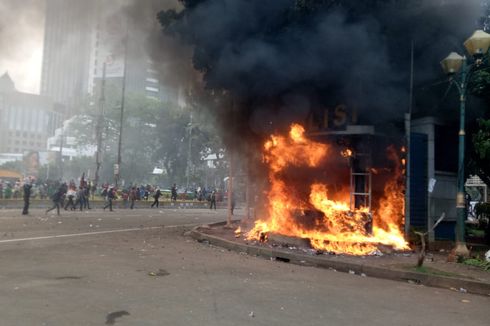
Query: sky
[21,42]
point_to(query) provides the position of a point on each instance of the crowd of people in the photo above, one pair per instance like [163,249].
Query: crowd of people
[79,195]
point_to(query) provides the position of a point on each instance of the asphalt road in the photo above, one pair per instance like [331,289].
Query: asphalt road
[137,268]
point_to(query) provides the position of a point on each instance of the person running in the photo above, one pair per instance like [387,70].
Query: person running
[111,195]
[57,199]
[27,195]
[157,195]
[80,198]
[71,195]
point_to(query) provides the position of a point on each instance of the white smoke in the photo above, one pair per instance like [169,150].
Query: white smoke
[21,42]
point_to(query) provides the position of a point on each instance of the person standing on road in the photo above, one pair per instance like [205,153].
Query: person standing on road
[57,199]
[157,195]
[174,193]
[212,200]
[27,195]
[86,192]
[233,203]
[80,198]
[132,196]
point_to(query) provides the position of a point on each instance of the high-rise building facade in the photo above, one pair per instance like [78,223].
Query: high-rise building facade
[79,37]
[118,42]
[26,120]
[67,48]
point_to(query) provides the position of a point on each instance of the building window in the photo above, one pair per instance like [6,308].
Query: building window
[151,89]
[152,80]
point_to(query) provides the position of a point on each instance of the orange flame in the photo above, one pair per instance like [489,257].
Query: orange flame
[339,229]
[238,232]
[346,152]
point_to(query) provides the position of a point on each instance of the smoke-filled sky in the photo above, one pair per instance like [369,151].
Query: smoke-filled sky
[281,62]
[21,42]
[22,34]
[22,28]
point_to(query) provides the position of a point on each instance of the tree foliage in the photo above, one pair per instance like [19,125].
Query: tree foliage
[155,134]
[481,140]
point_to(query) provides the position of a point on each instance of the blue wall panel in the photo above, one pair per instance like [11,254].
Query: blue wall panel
[418,180]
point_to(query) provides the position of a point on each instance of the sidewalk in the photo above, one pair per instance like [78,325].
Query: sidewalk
[436,272]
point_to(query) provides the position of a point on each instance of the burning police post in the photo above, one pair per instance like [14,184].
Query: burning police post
[337,225]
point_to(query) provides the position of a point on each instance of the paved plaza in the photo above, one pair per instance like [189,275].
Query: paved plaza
[137,268]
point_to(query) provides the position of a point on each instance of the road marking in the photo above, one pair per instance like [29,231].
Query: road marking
[71,235]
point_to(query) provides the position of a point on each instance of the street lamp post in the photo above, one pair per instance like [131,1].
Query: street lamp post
[457,67]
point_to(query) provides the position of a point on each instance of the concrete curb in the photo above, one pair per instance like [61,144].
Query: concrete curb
[446,282]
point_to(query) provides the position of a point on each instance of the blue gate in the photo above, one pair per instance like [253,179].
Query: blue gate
[418,180]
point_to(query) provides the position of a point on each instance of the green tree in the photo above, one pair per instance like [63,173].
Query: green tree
[155,134]
[482,140]
[17,166]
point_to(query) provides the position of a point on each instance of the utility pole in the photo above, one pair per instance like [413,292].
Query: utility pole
[99,126]
[61,149]
[189,155]
[230,191]
[230,176]
[247,191]
[117,171]
[408,129]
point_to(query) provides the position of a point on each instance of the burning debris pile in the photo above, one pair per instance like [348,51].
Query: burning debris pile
[329,224]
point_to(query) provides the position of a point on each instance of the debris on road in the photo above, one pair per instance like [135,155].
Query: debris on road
[111,317]
[160,272]
[251,314]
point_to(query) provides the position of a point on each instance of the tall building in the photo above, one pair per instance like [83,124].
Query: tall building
[67,48]
[26,120]
[79,37]
[117,45]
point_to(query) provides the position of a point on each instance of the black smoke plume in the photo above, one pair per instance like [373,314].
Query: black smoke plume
[279,61]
